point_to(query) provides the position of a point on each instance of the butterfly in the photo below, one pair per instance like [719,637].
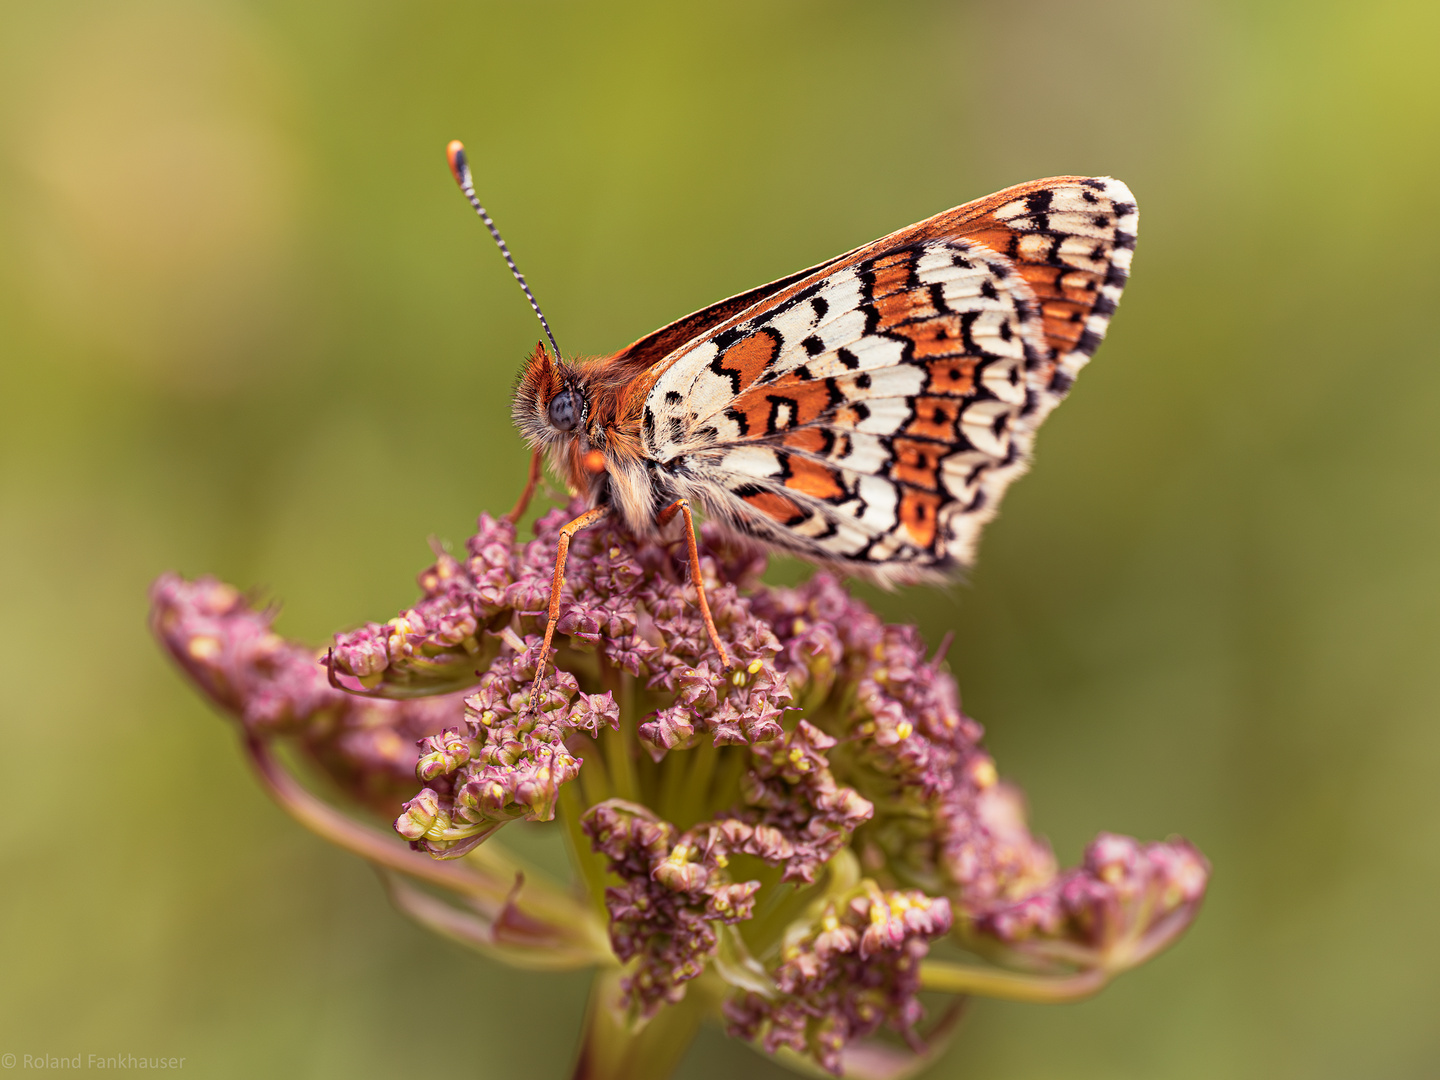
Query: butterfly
[866,414]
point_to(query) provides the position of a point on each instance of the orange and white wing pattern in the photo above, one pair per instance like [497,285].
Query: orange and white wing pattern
[872,413]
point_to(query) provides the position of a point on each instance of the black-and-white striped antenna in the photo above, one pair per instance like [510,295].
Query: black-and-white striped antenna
[460,167]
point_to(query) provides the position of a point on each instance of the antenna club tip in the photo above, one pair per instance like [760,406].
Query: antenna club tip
[459,166]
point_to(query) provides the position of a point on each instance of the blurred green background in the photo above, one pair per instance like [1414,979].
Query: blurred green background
[247,326]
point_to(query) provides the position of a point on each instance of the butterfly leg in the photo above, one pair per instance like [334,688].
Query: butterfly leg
[537,466]
[665,516]
[584,521]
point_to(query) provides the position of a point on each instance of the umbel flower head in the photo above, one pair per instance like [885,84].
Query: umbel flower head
[798,846]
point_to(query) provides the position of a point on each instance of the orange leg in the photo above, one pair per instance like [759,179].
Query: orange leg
[537,467]
[666,516]
[584,521]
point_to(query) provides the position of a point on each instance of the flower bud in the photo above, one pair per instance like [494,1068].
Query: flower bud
[441,754]
[732,903]
[592,712]
[770,844]
[482,799]
[677,874]
[418,815]
[362,652]
[668,729]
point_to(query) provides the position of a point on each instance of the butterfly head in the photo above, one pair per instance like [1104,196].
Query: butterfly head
[552,404]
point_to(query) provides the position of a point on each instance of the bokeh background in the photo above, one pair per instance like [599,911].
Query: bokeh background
[247,326]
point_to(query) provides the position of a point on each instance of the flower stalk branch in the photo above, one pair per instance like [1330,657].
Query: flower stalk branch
[345,832]
[566,934]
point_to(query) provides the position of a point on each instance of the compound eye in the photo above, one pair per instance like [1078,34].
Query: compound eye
[565,410]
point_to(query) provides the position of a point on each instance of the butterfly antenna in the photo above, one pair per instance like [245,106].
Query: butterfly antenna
[460,167]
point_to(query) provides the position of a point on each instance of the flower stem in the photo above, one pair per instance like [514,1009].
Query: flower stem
[472,930]
[488,890]
[616,1049]
[696,802]
[332,825]
[617,745]
[1010,985]
[591,866]
[669,802]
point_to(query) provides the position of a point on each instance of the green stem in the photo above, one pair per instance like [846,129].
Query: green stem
[673,788]
[332,825]
[617,745]
[591,865]
[1013,986]
[479,933]
[788,902]
[697,785]
[464,832]
[616,1049]
[594,777]
[725,780]
[488,886]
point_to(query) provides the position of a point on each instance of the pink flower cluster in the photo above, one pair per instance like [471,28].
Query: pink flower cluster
[845,974]
[832,760]
[942,820]
[674,892]
[795,814]
[277,687]
[1125,902]
[510,761]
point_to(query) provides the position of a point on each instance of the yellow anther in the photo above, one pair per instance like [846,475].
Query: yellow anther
[203,648]
[984,774]
[904,728]
[389,745]
[754,667]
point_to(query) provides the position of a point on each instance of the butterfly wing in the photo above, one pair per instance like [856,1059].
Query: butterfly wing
[872,411]
[633,360]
